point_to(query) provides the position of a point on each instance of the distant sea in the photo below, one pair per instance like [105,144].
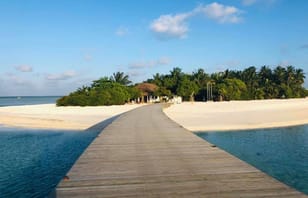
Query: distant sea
[279,152]
[27,100]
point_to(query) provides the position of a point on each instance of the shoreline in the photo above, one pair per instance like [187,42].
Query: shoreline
[196,117]
[49,116]
[247,129]
[239,115]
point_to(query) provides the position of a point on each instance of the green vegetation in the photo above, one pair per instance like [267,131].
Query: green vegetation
[105,91]
[248,84]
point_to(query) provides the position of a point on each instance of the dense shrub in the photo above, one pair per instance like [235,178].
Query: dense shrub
[104,92]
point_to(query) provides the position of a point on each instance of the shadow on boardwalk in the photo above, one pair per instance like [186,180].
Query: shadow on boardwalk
[142,153]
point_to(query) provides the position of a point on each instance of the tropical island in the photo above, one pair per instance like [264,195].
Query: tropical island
[248,84]
[105,97]
[79,83]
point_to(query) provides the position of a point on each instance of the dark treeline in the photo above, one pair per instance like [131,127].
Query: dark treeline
[248,84]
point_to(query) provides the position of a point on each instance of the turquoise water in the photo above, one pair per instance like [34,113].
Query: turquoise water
[32,162]
[27,100]
[280,152]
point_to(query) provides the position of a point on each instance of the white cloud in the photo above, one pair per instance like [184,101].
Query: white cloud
[176,25]
[171,26]
[220,13]
[121,31]
[62,76]
[163,61]
[136,73]
[14,85]
[17,80]
[151,63]
[24,68]
[138,65]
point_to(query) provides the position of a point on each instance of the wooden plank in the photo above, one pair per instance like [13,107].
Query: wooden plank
[145,154]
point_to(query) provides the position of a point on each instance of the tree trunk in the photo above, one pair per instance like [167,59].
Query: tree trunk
[191,99]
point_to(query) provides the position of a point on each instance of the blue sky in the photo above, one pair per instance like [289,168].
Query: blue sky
[53,47]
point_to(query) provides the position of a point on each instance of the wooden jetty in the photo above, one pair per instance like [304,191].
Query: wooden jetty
[145,154]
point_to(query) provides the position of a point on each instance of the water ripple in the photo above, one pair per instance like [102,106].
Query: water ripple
[280,152]
[32,162]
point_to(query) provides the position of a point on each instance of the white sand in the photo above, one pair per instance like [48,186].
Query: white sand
[237,115]
[48,116]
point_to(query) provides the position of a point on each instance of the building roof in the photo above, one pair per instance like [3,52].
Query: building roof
[147,88]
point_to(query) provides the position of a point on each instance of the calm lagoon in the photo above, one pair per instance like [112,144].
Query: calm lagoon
[32,162]
[279,152]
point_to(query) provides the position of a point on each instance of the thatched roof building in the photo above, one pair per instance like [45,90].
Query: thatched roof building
[147,89]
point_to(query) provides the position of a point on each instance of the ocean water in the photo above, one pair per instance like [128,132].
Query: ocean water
[281,152]
[27,100]
[32,162]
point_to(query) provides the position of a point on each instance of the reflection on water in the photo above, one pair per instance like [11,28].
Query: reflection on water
[32,162]
[281,152]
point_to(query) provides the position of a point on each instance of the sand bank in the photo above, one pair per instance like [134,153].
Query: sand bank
[48,116]
[237,115]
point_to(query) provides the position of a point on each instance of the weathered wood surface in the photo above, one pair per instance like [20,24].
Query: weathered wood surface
[145,154]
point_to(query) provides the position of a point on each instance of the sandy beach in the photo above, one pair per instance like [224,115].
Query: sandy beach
[239,115]
[197,116]
[48,116]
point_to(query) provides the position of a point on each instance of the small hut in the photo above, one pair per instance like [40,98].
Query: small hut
[147,91]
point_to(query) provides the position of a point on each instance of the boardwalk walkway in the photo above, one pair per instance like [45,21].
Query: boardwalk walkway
[145,154]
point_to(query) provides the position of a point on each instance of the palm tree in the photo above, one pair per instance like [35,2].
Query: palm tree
[121,78]
[99,82]
[265,75]
[187,88]
[176,72]
[158,79]
[290,72]
[279,75]
[83,90]
[249,76]
[218,77]
[299,90]
[280,79]
[299,77]
[172,80]
[200,77]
